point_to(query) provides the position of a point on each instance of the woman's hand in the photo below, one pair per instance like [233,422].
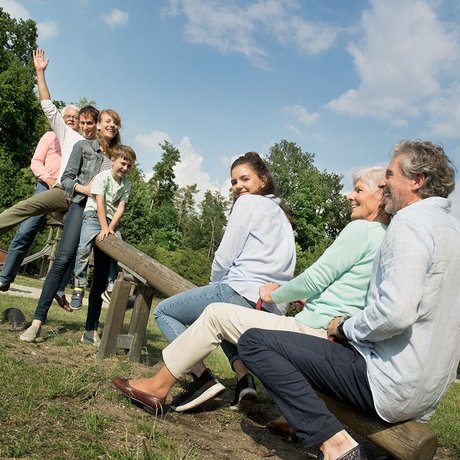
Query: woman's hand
[266,290]
[299,304]
[50,181]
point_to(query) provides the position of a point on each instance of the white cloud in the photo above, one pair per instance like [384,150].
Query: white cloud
[403,61]
[189,170]
[116,18]
[229,27]
[152,140]
[15,9]
[301,114]
[47,29]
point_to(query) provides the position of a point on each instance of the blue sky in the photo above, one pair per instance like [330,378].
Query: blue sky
[345,80]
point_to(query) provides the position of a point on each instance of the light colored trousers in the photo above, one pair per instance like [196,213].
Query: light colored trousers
[44,203]
[223,321]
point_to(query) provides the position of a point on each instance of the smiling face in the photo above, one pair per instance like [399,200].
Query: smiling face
[71,118]
[246,181]
[398,190]
[107,126]
[364,202]
[120,167]
[88,126]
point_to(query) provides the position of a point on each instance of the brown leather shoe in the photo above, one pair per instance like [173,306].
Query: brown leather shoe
[4,287]
[63,303]
[147,401]
[281,427]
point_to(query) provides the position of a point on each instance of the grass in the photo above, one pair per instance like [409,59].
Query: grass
[57,401]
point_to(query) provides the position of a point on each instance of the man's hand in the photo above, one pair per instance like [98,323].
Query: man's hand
[40,62]
[50,181]
[266,290]
[333,335]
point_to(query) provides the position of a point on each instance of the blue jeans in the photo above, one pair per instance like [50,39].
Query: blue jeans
[175,313]
[22,242]
[64,258]
[90,228]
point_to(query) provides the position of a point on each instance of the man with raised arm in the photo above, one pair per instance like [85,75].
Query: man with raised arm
[54,199]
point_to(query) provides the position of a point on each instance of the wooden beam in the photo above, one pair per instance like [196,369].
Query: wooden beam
[157,275]
[404,441]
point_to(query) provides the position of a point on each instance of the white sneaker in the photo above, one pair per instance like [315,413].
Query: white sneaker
[90,340]
[30,334]
[105,296]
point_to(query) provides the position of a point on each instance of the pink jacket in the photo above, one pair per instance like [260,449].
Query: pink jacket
[47,157]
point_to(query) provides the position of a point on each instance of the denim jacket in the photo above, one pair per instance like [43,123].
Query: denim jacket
[84,163]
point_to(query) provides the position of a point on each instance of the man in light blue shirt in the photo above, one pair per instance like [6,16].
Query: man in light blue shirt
[397,357]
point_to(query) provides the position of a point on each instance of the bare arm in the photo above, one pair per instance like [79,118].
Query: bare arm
[105,230]
[117,216]
[41,64]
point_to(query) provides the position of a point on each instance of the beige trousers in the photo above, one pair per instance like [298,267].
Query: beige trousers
[223,321]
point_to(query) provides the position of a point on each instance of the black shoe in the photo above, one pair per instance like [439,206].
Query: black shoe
[245,394]
[202,389]
[4,286]
[356,453]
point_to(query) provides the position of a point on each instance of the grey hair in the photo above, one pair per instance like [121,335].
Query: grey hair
[424,157]
[370,176]
[68,107]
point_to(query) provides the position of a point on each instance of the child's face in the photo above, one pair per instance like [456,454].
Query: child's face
[120,167]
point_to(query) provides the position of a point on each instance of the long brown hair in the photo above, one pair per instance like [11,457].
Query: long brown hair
[105,144]
[258,165]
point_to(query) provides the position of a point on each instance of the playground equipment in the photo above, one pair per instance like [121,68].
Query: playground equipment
[144,275]
[47,253]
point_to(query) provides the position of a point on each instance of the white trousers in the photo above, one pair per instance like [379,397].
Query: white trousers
[223,321]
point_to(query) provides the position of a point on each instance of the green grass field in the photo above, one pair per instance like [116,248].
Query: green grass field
[57,401]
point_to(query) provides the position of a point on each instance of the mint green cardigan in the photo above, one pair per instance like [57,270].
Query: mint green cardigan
[337,283]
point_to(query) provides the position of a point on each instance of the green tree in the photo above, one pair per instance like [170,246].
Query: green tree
[212,221]
[136,224]
[185,205]
[314,198]
[162,182]
[21,119]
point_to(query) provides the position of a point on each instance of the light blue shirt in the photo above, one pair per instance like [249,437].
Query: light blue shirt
[337,283]
[258,247]
[409,332]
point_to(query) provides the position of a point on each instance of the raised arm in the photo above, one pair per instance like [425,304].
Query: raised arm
[41,64]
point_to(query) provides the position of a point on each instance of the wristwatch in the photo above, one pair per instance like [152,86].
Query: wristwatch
[340,332]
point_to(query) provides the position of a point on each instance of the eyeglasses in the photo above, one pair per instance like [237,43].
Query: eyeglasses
[71,117]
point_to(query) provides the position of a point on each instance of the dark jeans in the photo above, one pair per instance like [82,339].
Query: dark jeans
[64,259]
[292,366]
[21,243]
[102,263]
